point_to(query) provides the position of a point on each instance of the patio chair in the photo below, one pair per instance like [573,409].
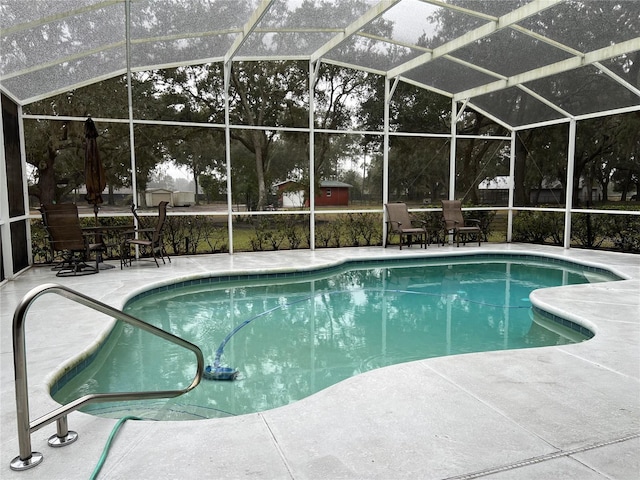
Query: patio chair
[399,221]
[65,236]
[150,240]
[456,225]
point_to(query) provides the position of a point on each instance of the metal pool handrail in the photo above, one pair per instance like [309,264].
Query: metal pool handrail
[63,437]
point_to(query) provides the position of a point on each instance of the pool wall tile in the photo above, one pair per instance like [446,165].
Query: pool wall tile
[581,329]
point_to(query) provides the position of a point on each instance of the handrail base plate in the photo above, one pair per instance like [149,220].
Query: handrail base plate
[19,464]
[69,438]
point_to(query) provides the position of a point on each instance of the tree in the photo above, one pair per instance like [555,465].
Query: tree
[211,185]
[626,170]
[261,94]
[51,148]
[200,150]
[56,148]
[540,153]
[419,167]
[264,94]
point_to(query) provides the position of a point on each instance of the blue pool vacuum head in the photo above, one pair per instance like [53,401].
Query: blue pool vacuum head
[220,373]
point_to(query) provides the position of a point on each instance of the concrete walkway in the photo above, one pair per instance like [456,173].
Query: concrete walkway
[570,412]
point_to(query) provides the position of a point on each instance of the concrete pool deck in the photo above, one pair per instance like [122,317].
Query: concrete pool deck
[570,412]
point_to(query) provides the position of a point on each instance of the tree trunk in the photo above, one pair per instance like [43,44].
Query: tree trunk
[605,191]
[195,181]
[259,153]
[46,187]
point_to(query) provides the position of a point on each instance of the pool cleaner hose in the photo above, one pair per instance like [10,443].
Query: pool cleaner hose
[107,446]
[215,371]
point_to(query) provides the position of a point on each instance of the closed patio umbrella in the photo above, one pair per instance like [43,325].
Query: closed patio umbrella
[95,178]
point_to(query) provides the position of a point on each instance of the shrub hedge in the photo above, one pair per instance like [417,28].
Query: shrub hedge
[589,230]
[200,234]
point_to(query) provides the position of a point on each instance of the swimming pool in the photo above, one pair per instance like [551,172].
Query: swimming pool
[299,333]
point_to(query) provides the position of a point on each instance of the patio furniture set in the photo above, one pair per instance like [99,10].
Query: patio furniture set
[75,244]
[400,222]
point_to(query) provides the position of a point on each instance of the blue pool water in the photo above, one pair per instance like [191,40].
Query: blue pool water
[291,337]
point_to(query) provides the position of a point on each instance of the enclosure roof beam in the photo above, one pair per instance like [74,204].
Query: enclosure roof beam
[248,27]
[635,90]
[371,14]
[489,116]
[10,30]
[553,69]
[483,31]
[544,100]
